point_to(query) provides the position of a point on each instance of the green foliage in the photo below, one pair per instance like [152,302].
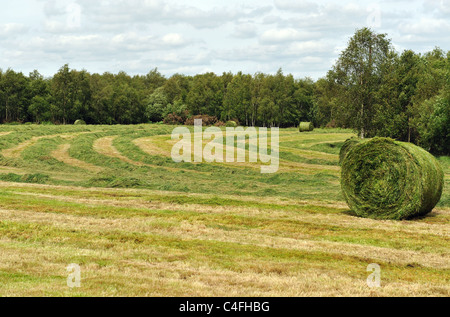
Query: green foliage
[386,179]
[380,93]
[433,125]
[157,104]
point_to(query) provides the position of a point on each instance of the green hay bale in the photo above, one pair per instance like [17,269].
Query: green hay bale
[80,122]
[231,124]
[306,127]
[346,147]
[386,179]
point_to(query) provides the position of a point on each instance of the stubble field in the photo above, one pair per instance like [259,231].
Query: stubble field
[110,199]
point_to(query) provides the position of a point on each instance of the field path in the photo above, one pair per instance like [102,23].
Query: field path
[105,147]
[156,145]
[62,155]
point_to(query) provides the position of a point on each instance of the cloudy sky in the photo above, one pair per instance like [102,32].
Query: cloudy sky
[304,38]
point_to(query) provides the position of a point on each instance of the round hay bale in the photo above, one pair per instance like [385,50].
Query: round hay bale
[306,127]
[346,147]
[386,179]
[231,124]
[80,122]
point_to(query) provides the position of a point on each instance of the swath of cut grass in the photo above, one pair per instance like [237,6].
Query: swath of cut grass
[105,146]
[62,154]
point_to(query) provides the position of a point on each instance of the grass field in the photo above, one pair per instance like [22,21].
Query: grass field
[110,199]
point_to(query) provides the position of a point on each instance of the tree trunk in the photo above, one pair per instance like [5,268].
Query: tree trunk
[363,134]
[7,115]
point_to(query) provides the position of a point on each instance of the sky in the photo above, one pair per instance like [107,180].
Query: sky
[304,38]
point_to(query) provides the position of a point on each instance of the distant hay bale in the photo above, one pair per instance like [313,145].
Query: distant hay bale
[306,127]
[80,122]
[386,179]
[231,124]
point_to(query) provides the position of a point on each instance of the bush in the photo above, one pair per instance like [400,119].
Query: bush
[331,125]
[386,179]
[220,124]
[80,122]
[206,120]
[173,119]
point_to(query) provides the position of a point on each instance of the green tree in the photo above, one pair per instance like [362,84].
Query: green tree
[206,95]
[13,96]
[236,102]
[62,93]
[157,105]
[303,106]
[359,72]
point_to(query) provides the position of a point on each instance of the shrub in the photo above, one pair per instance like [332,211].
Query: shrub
[386,179]
[331,125]
[206,120]
[220,124]
[173,119]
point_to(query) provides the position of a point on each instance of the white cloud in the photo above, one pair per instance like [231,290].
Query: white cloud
[12,29]
[300,6]
[425,26]
[245,31]
[302,37]
[309,47]
[173,39]
[285,35]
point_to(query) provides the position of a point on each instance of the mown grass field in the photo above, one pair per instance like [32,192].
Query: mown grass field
[110,199]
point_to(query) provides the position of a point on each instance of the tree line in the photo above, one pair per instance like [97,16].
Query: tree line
[371,88]
[259,100]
